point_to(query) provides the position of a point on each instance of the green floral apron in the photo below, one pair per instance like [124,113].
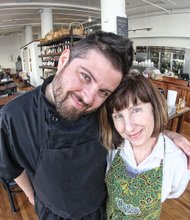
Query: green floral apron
[133,196]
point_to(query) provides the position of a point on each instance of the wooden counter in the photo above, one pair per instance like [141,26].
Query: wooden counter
[177,119]
[181,86]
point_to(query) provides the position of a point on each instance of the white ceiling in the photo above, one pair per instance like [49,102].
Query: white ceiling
[17,14]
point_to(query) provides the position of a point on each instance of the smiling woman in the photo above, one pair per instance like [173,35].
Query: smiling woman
[141,174]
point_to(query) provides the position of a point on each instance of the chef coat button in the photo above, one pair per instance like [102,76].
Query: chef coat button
[54,118]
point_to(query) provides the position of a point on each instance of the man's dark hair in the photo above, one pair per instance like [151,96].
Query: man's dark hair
[118,50]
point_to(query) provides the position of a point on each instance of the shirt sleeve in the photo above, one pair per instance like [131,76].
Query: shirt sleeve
[177,178]
[9,168]
[181,177]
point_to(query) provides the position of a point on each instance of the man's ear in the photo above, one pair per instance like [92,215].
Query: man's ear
[63,59]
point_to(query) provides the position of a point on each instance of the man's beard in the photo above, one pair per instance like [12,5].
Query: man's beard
[66,112]
[61,99]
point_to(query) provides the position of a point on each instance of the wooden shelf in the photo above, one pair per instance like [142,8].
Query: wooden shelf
[50,55]
[60,39]
[65,41]
[48,67]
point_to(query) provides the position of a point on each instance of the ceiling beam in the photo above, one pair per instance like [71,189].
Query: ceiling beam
[156,6]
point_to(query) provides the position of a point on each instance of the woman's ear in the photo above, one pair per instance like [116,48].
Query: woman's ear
[63,59]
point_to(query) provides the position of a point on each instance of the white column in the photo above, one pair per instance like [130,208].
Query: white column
[110,9]
[28,34]
[22,37]
[46,21]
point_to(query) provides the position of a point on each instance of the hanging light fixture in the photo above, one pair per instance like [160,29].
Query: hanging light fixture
[89,17]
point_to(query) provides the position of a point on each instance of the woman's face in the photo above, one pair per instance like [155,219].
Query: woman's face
[135,123]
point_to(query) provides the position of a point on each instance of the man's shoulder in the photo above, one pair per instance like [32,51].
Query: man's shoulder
[24,103]
[22,100]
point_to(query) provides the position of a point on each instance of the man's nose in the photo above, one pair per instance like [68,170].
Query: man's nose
[89,95]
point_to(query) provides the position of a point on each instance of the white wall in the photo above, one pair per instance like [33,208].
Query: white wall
[167,30]
[9,51]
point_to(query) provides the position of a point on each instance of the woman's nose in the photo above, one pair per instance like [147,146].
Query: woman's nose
[129,124]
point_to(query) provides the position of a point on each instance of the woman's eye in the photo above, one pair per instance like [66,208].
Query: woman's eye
[86,77]
[136,110]
[117,116]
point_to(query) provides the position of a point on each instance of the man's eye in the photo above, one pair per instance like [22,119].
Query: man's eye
[86,77]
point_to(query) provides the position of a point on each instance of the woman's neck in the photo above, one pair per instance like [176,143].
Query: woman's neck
[142,152]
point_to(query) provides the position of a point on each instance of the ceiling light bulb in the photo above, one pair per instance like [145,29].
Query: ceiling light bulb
[89,19]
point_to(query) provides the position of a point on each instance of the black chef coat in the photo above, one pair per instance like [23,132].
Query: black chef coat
[64,159]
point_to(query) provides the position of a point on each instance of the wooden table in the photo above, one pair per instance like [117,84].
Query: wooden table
[3,82]
[7,99]
[8,88]
[177,119]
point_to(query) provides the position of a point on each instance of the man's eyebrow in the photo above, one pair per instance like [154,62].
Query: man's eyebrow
[107,90]
[89,73]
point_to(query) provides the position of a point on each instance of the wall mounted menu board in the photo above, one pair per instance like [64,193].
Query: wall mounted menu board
[122,26]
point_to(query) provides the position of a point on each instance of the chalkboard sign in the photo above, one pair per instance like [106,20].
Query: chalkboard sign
[122,26]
